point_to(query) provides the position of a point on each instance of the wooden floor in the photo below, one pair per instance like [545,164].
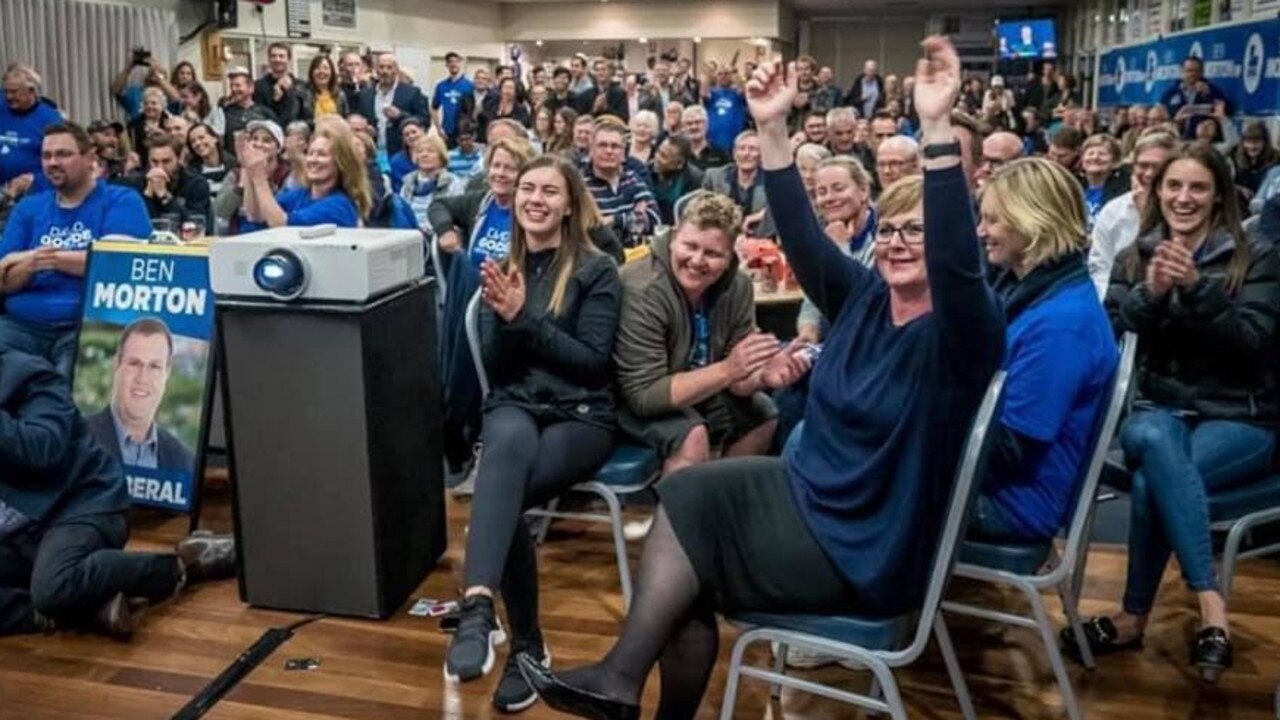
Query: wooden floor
[392,670]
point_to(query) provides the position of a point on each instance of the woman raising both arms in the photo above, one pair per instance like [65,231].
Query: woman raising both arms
[910,352]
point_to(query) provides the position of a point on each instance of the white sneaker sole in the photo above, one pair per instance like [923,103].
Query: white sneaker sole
[496,637]
[533,696]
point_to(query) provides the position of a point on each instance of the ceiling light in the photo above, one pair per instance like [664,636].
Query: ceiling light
[644,41]
[538,43]
[697,39]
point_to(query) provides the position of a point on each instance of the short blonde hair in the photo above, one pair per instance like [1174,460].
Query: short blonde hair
[812,152]
[857,173]
[646,117]
[1100,140]
[1042,204]
[707,211]
[519,149]
[435,143]
[157,94]
[901,197]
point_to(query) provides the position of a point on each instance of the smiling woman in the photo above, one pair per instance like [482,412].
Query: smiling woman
[1204,303]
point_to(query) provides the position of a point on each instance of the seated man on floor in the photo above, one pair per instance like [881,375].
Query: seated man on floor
[63,518]
[688,353]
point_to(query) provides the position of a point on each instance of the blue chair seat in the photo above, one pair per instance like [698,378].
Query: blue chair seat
[1017,558]
[1238,502]
[629,465]
[870,633]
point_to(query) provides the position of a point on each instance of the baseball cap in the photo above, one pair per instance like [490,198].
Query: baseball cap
[100,125]
[270,127]
[235,70]
[997,81]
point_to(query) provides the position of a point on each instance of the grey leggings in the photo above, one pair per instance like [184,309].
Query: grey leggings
[523,464]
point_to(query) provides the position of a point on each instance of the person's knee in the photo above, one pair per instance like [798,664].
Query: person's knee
[1145,431]
[693,450]
[56,594]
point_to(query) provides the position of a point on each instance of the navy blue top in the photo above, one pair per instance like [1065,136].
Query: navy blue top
[1061,356]
[873,470]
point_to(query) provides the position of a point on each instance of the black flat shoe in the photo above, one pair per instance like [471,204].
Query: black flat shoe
[1101,635]
[572,700]
[1211,653]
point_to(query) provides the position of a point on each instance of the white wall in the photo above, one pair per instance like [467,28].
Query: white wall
[621,20]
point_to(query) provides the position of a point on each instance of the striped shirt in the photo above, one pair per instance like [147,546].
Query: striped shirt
[464,165]
[618,204]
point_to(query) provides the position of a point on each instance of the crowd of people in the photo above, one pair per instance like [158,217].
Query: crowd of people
[941,228]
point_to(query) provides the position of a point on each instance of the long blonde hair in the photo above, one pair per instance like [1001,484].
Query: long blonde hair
[352,176]
[575,228]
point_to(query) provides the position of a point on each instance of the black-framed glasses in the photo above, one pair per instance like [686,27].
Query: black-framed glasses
[912,233]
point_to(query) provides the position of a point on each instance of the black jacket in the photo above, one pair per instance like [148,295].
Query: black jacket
[407,98]
[171,454]
[557,367]
[1202,349]
[51,468]
[238,118]
[189,197]
[853,98]
[289,107]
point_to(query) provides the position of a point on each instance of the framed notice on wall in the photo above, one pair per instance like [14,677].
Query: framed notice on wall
[339,13]
[297,15]
[142,366]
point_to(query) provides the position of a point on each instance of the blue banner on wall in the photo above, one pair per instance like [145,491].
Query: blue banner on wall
[141,376]
[1242,60]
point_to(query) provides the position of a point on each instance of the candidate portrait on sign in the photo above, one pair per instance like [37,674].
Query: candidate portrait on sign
[140,373]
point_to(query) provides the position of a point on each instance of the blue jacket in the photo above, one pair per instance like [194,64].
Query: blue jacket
[407,98]
[51,468]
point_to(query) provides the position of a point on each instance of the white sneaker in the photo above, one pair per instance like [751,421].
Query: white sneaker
[803,659]
[635,530]
[467,487]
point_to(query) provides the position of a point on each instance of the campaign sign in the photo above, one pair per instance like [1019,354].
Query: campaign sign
[142,365]
[1243,60]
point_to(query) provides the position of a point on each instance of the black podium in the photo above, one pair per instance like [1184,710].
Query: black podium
[333,440]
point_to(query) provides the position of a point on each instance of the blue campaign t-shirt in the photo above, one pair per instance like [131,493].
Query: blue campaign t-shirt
[493,239]
[51,297]
[448,100]
[301,209]
[726,117]
[1093,202]
[1061,355]
[21,135]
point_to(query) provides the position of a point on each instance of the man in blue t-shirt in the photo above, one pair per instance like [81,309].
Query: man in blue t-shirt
[726,110]
[45,246]
[451,95]
[23,118]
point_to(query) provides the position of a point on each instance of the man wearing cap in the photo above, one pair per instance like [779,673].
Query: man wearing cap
[267,137]
[106,141]
[389,102]
[23,118]
[240,108]
[45,246]
[451,97]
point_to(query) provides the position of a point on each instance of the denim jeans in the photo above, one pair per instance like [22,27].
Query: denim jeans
[53,343]
[1178,461]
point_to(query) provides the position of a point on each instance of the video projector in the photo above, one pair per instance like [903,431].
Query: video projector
[321,263]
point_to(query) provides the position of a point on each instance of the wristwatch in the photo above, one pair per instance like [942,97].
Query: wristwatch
[937,150]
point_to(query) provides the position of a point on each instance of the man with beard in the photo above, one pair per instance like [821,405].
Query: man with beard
[44,250]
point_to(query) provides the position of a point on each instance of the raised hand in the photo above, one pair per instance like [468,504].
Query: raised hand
[771,91]
[937,80]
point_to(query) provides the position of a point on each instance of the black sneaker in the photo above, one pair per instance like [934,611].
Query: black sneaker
[470,653]
[514,693]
